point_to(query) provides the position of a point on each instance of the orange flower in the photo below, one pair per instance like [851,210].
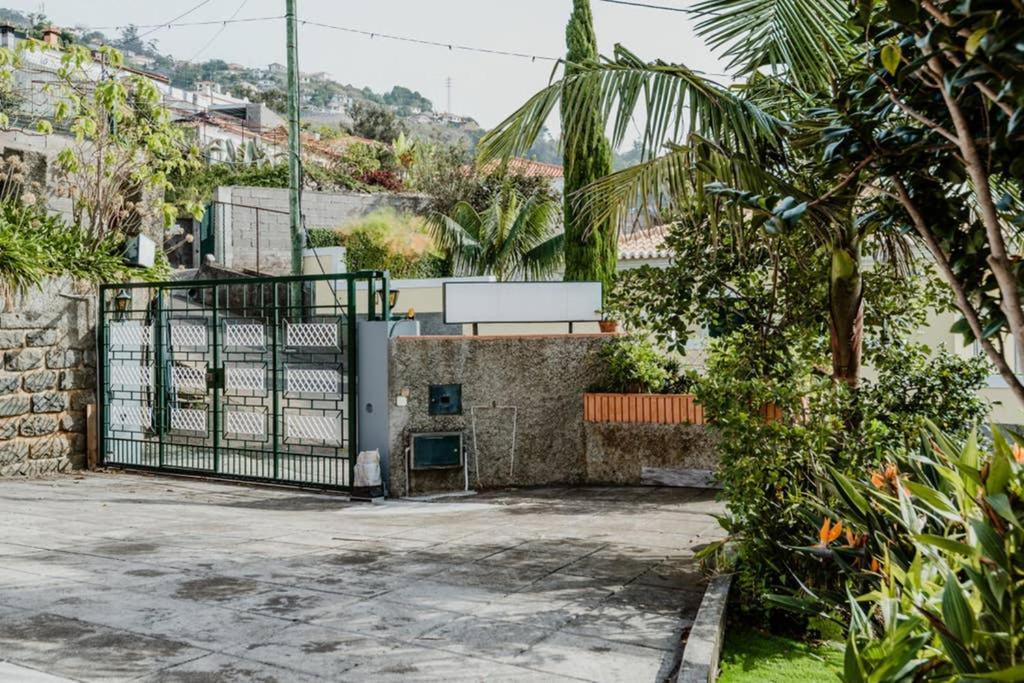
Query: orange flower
[875,566]
[888,478]
[828,532]
[1018,453]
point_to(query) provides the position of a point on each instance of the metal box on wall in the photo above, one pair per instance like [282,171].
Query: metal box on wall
[445,399]
[436,450]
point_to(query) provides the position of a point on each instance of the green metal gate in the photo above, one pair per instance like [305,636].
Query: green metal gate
[246,378]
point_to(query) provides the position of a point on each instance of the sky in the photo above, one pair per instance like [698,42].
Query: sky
[486,87]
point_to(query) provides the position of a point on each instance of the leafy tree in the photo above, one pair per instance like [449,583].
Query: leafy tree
[402,97]
[931,118]
[736,154]
[130,41]
[374,121]
[512,237]
[448,175]
[124,148]
[591,246]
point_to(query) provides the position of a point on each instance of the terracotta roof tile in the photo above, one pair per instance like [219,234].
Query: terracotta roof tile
[527,167]
[646,243]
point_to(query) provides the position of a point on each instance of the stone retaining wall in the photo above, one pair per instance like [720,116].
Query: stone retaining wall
[617,452]
[526,389]
[48,377]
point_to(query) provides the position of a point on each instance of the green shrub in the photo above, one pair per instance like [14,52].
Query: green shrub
[35,245]
[385,240]
[913,385]
[317,238]
[767,468]
[634,366]
[774,472]
[199,186]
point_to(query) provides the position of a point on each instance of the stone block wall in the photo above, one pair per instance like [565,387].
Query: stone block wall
[47,346]
[237,208]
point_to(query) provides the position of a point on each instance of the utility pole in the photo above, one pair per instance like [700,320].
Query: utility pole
[448,83]
[294,158]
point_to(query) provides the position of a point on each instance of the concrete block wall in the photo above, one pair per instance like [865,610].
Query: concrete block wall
[236,221]
[47,347]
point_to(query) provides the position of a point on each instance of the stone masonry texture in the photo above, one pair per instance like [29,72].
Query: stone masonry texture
[48,377]
[526,388]
[617,452]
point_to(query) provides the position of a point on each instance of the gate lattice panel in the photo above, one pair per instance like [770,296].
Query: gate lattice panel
[250,378]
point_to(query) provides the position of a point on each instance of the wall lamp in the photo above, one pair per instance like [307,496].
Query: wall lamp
[392,298]
[122,302]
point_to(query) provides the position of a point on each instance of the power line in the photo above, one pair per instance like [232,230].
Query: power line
[434,43]
[376,34]
[217,34]
[180,16]
[666,8]
[208,22]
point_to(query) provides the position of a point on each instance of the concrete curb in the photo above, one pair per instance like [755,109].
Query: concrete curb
[704,645]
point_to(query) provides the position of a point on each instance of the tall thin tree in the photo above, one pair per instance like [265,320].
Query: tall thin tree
[591,246]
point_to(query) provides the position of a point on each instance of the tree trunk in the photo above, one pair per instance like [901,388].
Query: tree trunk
[846,314]
[998,260]
[962,302]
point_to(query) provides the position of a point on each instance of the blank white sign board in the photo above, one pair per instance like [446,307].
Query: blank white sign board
[521,302]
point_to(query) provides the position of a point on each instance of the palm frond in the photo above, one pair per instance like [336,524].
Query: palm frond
[530,225]
[672,99]
[805,39]
[458,235]
[544,258]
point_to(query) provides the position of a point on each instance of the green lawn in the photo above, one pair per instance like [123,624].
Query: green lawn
[756,657]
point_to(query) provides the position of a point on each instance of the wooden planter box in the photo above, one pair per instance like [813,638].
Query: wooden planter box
[654,408]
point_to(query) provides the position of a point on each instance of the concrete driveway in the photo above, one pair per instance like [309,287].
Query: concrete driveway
[109,577]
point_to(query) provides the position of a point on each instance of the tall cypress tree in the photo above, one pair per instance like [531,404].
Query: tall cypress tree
[591,248]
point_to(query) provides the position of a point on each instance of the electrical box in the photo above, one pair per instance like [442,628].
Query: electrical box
[436,451]
[445,399]
[140,251]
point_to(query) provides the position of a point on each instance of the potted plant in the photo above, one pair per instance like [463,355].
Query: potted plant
[607,324]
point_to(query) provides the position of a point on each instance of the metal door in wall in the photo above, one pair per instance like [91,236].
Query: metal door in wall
[248,378]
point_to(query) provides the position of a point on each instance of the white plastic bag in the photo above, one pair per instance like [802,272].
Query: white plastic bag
[367,469]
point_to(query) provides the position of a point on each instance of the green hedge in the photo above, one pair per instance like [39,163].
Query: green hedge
[384,240]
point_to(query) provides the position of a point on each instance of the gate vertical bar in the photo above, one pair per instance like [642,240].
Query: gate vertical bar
[276,398]
[216,380]
[353,434]
[102,395]
[160,372]
[386,288]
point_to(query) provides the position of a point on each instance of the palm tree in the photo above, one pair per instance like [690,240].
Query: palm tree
[732,151]
[514,236]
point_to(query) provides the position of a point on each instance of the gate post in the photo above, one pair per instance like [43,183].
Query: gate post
[101,377]
[216,383]
[160,360]
[276,383]
[353,433]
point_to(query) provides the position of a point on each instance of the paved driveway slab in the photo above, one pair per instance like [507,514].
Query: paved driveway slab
[118,577]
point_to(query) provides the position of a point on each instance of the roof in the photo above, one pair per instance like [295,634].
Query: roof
[527,167]
[642,244]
